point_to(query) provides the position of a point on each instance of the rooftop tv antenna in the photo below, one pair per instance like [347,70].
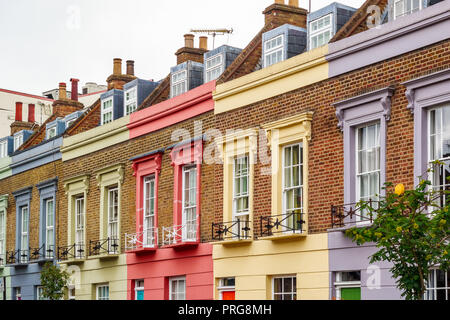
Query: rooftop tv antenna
[213,32]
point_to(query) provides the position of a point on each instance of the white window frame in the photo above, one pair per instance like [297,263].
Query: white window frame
[177,82]
[339,284]
[2,235]
[99,295]
[18,293]
[39,290]
[49,228]
[367,173]
[210,71]
[177,279]
[138,288]
[223,288]
[113,209]
[189,226]
[273,50]
[79,223]
[283,293]
[18,141]
[318,32]
[236,198]
[130,101]
[51,132]
[404,13]
[71,293]
[4,149]
[24,232]
[109,109]
[436,136]
[69,123]
[433,278]
[149,183]
[301,187]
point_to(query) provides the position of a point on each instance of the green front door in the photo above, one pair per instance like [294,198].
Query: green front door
[350,293]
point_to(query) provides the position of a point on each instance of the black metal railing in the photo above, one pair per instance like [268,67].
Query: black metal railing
[17,256]
[288,223]
[42,253]
[2,260]
[102,247]
[351,214]
[74,251]
[233,230]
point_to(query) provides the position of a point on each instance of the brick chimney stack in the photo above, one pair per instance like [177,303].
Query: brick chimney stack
[31,113]
[64,106]
[189,52]
[117,79]
[74,91]
[130,67]
[19,124]
[280,13]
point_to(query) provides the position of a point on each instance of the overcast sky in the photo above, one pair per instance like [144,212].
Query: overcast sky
[44,42]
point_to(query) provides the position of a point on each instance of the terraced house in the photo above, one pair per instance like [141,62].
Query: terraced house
[235,176]
[336,120]
[29,205]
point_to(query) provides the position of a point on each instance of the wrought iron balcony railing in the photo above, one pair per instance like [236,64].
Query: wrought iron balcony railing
[42,253]
[74,251]
[351,214]
[289,223]
[103,247]
[179,234]
[238,229]
[17,257]
[141,240]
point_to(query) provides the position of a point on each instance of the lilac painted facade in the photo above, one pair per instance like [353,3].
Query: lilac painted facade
[406,34]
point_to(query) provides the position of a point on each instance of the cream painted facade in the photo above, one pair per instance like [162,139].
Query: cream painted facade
[255,263]
[86,275]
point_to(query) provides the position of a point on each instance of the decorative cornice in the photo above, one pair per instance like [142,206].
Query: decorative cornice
[47,183]
[383,96]
[414,84]
[23,191]
[154,158]
[117,168]
[82,178]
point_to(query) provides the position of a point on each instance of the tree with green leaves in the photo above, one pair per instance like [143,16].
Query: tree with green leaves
[411,230]
[53,281]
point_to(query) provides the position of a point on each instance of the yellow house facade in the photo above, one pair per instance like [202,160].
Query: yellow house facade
[269,252]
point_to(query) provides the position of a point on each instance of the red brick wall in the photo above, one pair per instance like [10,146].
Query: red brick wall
[326,167]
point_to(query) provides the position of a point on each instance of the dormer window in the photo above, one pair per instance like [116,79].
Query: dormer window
[179,83]
[51,132]
[107,111]
[214,67]
[273,51]
[405,7]
[320,31]
[130,101]
[3,149]
[18,141]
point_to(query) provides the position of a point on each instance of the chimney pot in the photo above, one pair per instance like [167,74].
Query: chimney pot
[279,1]
[62,91]
[130,67]
[31,113]
[18,111]
[293,3]
[117,66]
[189,40]
[74,92]
[204,43]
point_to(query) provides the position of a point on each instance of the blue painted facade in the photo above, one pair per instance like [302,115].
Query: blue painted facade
[340,15]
